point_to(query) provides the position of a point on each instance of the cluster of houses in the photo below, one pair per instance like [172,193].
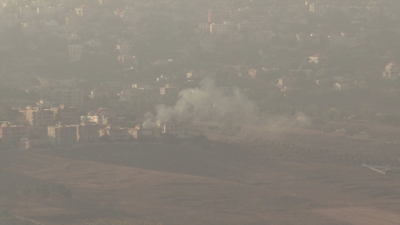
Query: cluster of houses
[279,32]
[64,126]
[256,24]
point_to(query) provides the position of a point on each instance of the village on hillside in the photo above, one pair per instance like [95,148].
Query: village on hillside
[74,71]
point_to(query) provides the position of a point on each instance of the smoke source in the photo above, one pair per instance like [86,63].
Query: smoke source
[205,103]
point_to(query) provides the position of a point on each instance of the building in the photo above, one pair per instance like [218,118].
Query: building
[208,44]
[27,143]
[39,117]
[66,115]
[172,127]
[75,52]
[215,16]
[124,48]
[311,40]
[62,135]
[26,12]
[221,28]
[134,133]
[48,11]
[235,37]
[69,97]
[125,95]
[204,27]
[99,92]
[128,61]
[84,10]
[261,38]
[96,119]
[72,20]
[169,91]
[342,41]
[87,133]
[101,116]
[341,86]
[144,132]
[200,74]
[12,134]
[115,133]
[318,8]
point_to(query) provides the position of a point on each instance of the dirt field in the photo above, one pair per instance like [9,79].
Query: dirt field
[186,184]
[362,216]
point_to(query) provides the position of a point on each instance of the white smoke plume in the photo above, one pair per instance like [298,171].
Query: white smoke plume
[205,103]
[300,120]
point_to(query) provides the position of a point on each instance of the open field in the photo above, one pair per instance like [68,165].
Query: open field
[362,216]
[185,184]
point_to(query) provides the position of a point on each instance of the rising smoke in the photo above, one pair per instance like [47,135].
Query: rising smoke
[205,103]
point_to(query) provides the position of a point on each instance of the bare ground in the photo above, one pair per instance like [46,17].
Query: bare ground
[186,184]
